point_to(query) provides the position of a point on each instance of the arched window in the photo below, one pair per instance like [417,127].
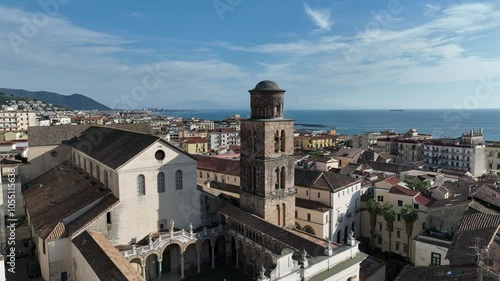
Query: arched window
[178,179]
[283,178]
[160,180]
[284,214]
[141,185]
[98,172]
[106,178]
[276,141]
[277,183]
[279,214]
[282,138]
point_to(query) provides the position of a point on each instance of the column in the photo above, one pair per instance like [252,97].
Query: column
[182,266]
[144,271]
[237,258]
[159,269]
[199,262]
[213,253]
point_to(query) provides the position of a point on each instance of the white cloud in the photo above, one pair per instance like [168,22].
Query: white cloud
[320,17]
[65,58]
[431,9]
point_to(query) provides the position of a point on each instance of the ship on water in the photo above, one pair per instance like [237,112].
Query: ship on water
[397,110]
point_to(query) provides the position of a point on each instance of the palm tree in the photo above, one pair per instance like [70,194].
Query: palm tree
[410,216]
[374,209]
[389,214]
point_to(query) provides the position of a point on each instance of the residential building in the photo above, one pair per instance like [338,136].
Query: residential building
[15,121]
[223,138]
[347,155]
[493,156]
[393,192]
[314,141]
[367,140]
[468,153]
[87,120]
[336,201]
[195,145]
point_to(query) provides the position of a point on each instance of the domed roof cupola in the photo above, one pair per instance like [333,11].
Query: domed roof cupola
[266,100]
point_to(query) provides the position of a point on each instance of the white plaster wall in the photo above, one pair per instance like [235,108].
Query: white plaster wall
[60,258]
[43,259]
[423,254]
[346,201]
[318,221]
[137,216]
[82,271]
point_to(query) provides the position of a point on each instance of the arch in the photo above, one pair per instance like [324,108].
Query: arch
[309,230]
[152,267]
[136,263]
[190,259]
[160,182]
[170,254]
[220,249]
[205,248]
[153,252]
[178,179]
[339,235]
[141,185]
[297,225]
[222,219]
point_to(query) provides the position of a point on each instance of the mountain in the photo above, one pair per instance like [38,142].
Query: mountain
[74,101]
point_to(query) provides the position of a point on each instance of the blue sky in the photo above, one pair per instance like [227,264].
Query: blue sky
[208,54]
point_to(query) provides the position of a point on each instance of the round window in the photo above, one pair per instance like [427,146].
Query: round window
[160,155]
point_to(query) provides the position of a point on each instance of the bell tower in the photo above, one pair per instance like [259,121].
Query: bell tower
[267,164]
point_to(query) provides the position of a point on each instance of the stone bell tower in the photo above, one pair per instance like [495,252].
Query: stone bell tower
[267,165]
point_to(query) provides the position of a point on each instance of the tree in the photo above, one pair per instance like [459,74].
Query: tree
[389,214]
[410,216]
[418,185]
[374,209]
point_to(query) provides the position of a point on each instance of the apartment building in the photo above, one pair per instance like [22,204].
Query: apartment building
[315,142]
[223,138]
[369,139]
[195,145]
[493,156]
[468,153]
[16,121]
[393,192]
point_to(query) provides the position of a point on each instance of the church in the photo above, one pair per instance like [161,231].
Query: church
[122,204]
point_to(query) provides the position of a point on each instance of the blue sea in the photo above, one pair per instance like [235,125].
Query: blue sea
[438,122]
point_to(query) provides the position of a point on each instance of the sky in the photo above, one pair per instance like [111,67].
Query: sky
[207,54]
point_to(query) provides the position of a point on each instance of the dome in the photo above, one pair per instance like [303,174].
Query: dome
[267,85]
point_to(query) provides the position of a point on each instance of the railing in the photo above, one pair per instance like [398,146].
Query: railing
[173,235]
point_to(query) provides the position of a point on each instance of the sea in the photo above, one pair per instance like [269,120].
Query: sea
[438,122]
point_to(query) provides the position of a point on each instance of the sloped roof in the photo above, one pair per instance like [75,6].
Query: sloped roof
[112,147]
[397,189]
[329,180]
[59,194]
[311,205]
[104,259]
[434,273]
[55,135]
[488,195]
[287,237]
[474,220]
[425,200]
[218,165]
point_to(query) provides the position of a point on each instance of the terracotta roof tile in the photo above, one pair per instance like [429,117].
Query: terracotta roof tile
[104,259]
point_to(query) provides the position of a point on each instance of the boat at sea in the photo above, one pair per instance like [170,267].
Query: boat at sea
[397,110]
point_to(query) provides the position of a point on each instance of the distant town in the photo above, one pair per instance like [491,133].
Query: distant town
[170,197]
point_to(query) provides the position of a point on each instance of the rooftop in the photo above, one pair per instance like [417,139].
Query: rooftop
[434,273]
